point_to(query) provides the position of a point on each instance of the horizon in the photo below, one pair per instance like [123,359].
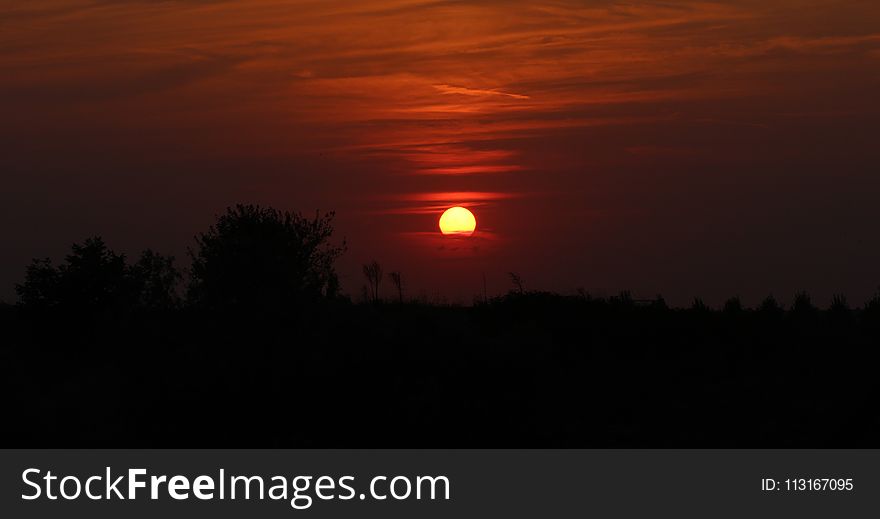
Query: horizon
[391,287]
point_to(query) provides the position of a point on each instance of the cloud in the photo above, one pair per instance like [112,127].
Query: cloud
[434,203]
[453,196]
[449,89]
[128,76]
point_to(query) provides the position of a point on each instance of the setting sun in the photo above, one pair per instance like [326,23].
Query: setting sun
[458,221]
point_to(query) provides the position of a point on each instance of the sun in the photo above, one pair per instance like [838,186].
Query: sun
[458,221]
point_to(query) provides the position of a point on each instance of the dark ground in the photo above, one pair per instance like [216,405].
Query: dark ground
[526,370]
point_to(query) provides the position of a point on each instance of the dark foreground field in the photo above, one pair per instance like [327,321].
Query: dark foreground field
[525,370]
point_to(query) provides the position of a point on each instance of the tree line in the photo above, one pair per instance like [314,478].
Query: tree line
[252,259]
[257,259]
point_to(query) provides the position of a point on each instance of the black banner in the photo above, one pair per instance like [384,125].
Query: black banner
[437,483]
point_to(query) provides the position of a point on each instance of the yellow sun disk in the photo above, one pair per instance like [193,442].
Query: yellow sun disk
[458,221]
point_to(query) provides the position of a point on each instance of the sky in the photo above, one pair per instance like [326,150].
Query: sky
[690,149]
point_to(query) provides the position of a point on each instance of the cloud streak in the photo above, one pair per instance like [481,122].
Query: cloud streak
[449,89]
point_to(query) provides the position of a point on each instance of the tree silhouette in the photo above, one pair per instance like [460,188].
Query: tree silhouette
[158,281]
[92,278]
[397,281]
[373,272]
[872,308]
[40,287]
[95,276]
[517,282]
[261,259]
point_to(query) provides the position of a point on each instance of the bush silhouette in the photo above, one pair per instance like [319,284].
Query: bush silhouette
[733,306]
[699,306]
[803,305]
[659,303]
[623,300]
[839,304]
[770,308]
[257,259]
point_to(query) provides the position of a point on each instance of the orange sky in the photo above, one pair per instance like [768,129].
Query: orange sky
[689,148]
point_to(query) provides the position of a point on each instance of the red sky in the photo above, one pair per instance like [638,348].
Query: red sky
[684,148]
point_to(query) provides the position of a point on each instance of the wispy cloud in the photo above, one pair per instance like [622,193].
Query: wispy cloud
[449,89]
[434,203]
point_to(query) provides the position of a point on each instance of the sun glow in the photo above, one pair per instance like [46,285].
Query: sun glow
[458,221]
